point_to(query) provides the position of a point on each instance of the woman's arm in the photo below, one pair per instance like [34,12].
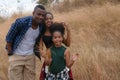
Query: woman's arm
[67,40]
[48,58]
[43,54]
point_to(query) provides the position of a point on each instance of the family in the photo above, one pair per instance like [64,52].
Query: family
[26,39]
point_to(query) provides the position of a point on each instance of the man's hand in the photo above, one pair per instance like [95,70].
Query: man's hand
[9,48]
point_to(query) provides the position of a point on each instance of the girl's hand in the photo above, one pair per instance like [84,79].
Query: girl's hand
[75,57]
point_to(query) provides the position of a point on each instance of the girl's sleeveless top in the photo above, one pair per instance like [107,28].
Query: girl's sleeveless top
[58,61]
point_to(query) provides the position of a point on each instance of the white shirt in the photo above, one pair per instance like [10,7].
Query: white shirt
[26,46]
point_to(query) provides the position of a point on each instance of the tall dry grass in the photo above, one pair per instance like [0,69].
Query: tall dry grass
[3,60]
[69,5]
[95,36]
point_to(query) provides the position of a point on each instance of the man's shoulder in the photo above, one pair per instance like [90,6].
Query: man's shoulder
[23,19]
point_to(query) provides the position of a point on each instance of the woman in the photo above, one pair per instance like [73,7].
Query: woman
[47,40]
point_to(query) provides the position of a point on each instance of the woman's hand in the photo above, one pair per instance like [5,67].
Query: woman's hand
[48,60]
[43,54]
[65,26]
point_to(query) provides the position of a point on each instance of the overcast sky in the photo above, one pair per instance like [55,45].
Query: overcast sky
[9,7]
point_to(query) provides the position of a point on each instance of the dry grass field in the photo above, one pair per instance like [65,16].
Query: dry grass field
[95,36]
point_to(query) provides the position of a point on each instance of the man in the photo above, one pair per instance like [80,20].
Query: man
[22,39]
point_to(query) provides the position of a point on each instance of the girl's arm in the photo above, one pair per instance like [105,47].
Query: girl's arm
[70,60]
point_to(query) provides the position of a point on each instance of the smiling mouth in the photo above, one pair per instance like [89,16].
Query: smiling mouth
[58,42]
[49,23]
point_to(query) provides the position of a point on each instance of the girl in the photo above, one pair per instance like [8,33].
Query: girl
[58,57]
[47,40]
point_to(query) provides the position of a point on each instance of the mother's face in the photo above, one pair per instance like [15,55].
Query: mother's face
[48,20]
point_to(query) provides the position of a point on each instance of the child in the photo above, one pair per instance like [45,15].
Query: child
[58,57]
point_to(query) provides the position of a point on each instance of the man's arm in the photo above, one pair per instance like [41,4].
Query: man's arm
[11,35]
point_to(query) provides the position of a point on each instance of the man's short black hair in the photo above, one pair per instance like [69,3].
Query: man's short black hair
[39,6]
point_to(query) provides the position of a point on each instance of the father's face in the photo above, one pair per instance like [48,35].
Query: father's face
[39,15]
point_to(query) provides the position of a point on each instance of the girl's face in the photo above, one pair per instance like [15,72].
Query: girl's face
[48,20]
[57,38]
